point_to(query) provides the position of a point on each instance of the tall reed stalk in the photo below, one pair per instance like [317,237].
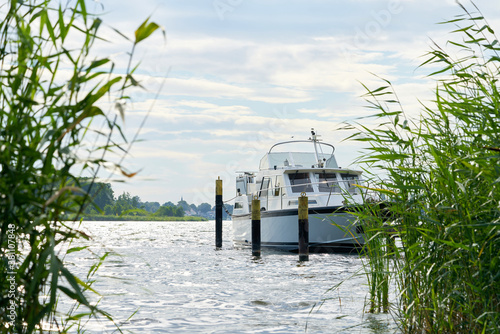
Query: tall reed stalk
[441,189]
[52,92]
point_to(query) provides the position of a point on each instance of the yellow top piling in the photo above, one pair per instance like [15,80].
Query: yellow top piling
[255,208]
[303,206]
[218,186]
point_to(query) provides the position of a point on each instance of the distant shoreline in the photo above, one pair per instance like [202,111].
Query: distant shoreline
[140,218]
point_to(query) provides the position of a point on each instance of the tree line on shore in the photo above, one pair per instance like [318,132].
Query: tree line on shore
[104,203]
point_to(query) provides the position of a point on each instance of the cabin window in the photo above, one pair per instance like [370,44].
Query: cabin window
[238,205]
[351,180]
[300,182]
[241,187]
[327,182]
[265,185]
[278,181]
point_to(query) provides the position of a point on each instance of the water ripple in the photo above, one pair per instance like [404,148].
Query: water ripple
[171,274]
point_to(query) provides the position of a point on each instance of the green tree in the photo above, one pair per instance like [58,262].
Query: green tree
[204,208]
[167,211]
[109,210]
[51,87]
[170,211]
[179,211]
[183,204]
[101,194]
[135,202]
[124,202]
[151,206]
[125,198]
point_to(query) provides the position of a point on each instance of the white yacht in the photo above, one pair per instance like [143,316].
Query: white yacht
[282,178]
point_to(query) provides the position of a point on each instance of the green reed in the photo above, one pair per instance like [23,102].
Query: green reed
[440,190]
[52,93]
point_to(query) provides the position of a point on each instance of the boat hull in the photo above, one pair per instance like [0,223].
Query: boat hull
[331,229]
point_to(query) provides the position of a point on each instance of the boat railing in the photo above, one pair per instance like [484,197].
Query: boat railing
[302,141]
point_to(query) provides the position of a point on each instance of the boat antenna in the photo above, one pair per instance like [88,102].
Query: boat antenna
[315,139]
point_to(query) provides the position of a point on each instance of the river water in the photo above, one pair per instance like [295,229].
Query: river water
[170,274]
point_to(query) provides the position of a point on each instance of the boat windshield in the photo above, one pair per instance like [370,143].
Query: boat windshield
[327,182]
[295,159]
[351,181]
[300,182]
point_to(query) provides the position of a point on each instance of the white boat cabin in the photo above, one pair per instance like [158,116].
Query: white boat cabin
[284,176]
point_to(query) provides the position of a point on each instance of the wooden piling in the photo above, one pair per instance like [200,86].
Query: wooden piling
[218,213]
[303,228]
[256,227]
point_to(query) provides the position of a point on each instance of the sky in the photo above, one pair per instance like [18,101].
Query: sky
[233,77]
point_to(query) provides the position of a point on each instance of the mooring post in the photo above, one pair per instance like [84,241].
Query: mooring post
[218,213]
[303,228]
[256,226]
